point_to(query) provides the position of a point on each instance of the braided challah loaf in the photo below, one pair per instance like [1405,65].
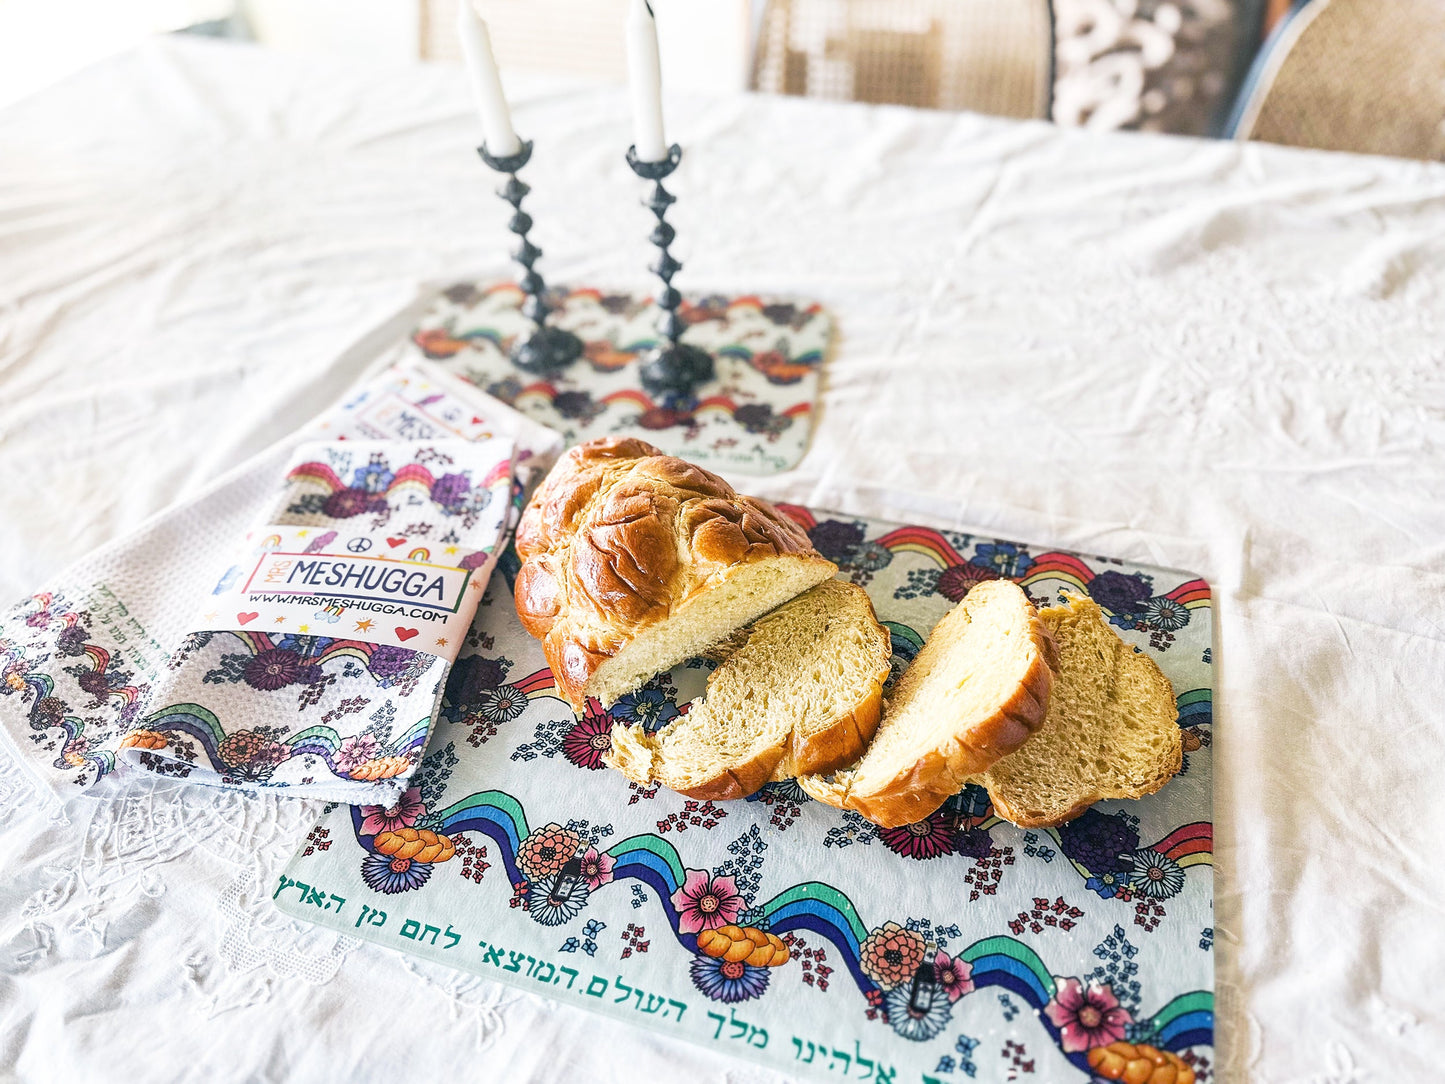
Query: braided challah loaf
[633,561]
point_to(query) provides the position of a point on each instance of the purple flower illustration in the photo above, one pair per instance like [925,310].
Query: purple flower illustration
[836,540]
[1120,593]
[754,417]
[471,675]
[574,404]
[451,490]
[93,682]
[974,843]
[345,503]
[274,669]
[71,641]
[388,662]
[1100,843]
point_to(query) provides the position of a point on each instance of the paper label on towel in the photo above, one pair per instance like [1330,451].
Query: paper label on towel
[368,586]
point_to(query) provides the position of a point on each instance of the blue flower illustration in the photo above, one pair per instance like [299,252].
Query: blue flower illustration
[593,928]
[728,980]
[1106,884]
[1004,558]
[374,477]
[650,707]
[755,917]
[919,1019]
[382,873]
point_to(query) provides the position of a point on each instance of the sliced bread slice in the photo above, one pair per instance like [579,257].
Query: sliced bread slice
[1111,732]
[977,689]
[802,694]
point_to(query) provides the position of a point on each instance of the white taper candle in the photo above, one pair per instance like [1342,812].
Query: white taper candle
[501,138]
[645,72]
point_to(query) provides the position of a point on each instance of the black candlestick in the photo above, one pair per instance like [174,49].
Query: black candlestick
[547,350]
[675,368]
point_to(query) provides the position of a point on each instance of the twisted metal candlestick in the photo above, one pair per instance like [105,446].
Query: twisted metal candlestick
[675,368]
[548,350]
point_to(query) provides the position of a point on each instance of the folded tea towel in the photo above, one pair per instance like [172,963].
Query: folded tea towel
[285,627]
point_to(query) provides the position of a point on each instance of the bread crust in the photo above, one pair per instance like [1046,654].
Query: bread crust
[739,782]
[941,772]
[620,537]
[839,745]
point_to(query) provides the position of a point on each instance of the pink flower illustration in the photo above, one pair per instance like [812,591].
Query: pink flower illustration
[404,814]
[586,742]
[597,868]
[705,902]
[933,836]
[1086,1017]
[356,751]
[954,975]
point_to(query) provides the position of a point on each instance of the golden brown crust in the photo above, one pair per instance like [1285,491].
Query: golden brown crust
[941,772]
[831,749]
[843,742]
[620,537]
[740,781]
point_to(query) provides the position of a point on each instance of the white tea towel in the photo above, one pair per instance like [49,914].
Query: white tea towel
[319,656]
[84,660]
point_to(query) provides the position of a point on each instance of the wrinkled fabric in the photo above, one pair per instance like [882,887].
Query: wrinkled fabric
[1210,356]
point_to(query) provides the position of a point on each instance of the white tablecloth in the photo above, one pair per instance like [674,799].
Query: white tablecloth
[1224,358]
